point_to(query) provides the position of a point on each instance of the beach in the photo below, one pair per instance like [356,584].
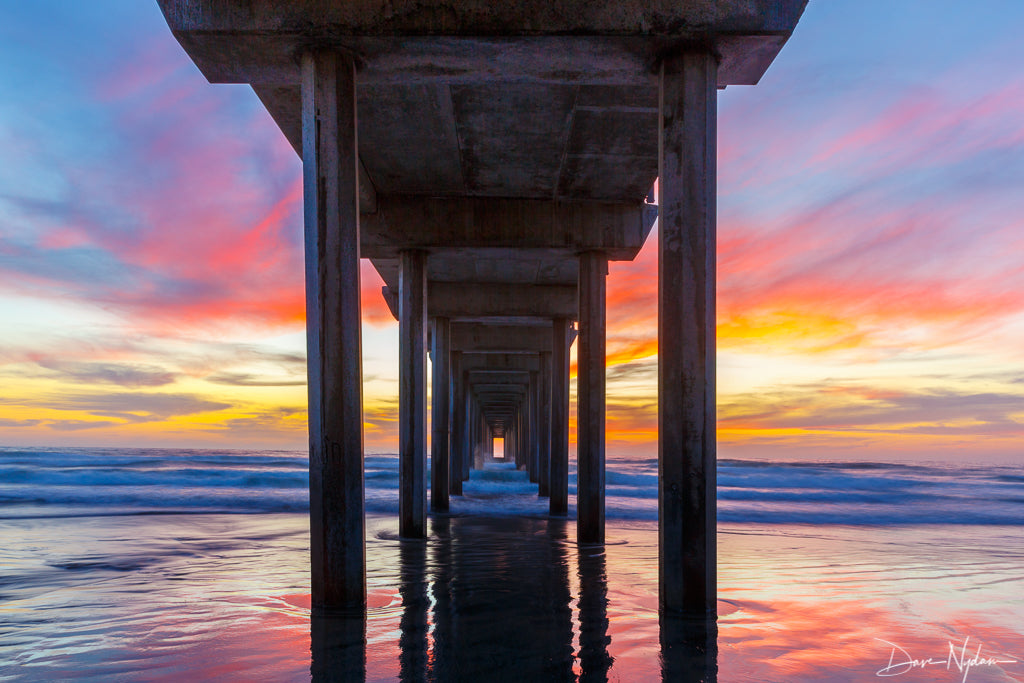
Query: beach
[144,582]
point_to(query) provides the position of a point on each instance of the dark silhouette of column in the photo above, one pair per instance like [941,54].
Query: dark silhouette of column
[544,437]
[533,432]
[458,435]
[559,476]
[412,395]
[440,424]
[590,398]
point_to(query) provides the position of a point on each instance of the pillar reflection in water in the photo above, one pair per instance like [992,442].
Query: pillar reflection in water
[338,647]
[689,649]
[500,602]
[413,589]
[595,661]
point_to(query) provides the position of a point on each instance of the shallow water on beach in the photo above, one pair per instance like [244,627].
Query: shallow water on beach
[101,596]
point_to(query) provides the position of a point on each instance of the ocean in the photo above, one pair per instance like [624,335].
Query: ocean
[189,565]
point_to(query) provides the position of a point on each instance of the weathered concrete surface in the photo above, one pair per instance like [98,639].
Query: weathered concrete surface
[507,339]
[333,334]
[230,40]
[498,302]
[512,225]
[686,338]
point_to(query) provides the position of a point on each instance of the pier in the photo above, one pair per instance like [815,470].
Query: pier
[490,159]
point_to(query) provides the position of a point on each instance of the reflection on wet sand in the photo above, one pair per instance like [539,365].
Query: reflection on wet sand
[338,648]
[492,599]
[689,649]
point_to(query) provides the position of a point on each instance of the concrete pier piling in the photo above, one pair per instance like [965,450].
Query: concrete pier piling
[412,395]
[538,129]
[686,334]
[590,399]
[558,477]
[334,351]
[440,423]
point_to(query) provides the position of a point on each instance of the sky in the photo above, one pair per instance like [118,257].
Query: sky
[870,247]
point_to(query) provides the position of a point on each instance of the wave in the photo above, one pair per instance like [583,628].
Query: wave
[40,482]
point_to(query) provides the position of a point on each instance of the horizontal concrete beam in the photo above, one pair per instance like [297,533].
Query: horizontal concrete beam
[500,338]
[517,389]
[470,40]
[406,221]
[500,300]
[506,376]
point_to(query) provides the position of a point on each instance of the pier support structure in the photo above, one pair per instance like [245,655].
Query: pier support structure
[534,433]
[412,395]
[459,440]
[686,335]
[558,477]
[440,422]
[544,427]
[590,399]
[333,332]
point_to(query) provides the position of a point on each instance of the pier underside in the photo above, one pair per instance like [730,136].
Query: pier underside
[490,159]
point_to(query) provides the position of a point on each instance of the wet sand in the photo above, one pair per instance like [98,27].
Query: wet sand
[203,597]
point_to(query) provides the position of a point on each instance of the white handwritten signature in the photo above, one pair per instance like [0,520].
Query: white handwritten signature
[900,661]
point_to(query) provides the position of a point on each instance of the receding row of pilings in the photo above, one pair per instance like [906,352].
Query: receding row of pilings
[686,367]
[499,381]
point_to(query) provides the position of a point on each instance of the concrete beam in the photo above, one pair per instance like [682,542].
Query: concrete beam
[495,362]
[478,40]
[456,300]
[502,377]
[462,302]
[501,338]
[618,229]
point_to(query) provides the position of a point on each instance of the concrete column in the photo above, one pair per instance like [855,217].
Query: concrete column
[590,399]
[458,435]
[412,395]
[544,427]
[686,335]
[534,431]
[330,153]
[559,476]
[479,431]
[440,423]
[467,456]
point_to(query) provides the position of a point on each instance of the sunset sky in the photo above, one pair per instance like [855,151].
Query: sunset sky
[870,231]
